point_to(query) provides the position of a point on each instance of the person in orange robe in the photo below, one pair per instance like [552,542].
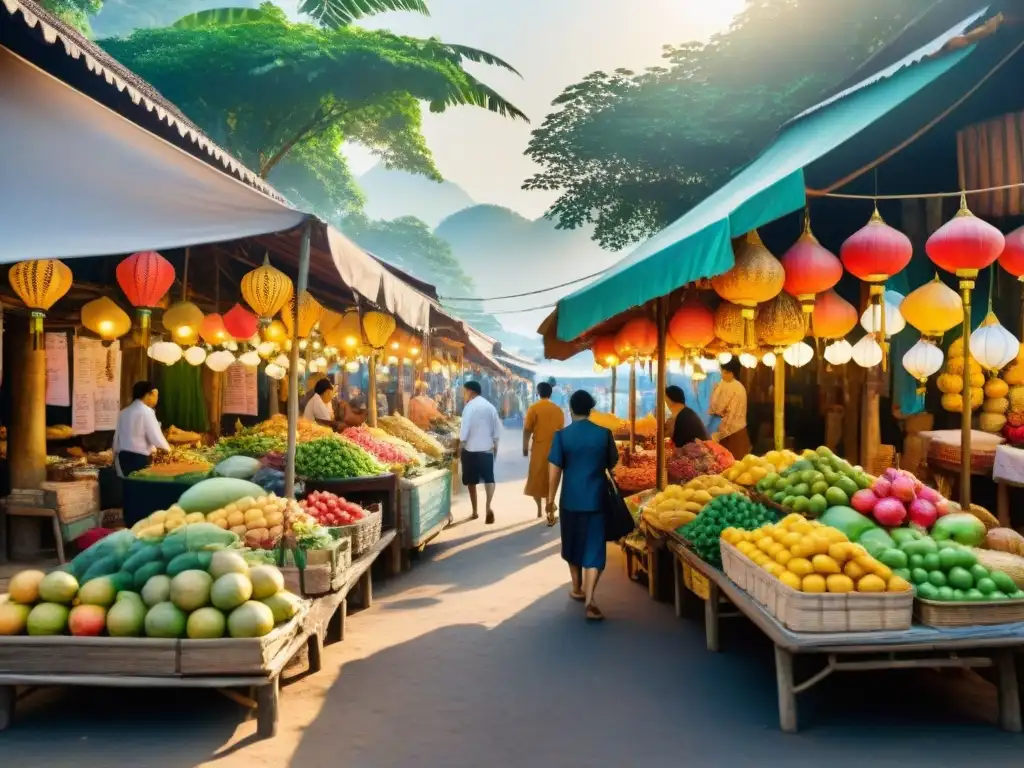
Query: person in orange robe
[422,408]
[543,420]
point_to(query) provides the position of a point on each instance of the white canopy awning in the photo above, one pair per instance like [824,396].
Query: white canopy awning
[77,179]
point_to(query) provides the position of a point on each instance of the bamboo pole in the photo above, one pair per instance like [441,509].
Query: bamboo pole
[615,377]
[293,368]
[371,364]
[632,407]
[966,286]
[779,405]
[660,385]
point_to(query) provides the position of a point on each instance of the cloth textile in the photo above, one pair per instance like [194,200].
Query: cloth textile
[481,428]
[477,467]
[729,400]
[583,543]
[583,451]
[688,427]
[318,410]
[138,430]
[543,420]
[129,461]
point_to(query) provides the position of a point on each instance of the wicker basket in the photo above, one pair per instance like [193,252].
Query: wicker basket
[943,614]
[364,534]
[736,566]
[883,460]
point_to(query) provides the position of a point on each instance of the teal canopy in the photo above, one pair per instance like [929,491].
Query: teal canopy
[699,245]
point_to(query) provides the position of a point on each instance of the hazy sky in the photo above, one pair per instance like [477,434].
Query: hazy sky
[553,43]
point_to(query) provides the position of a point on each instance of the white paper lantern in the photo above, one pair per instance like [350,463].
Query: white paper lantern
[839,352]
[867,353]
[321,363]
[220,360]
[992,345]
[166,352]
[230,345]
[282,361]
[352,366]
[922,360]
[250,359]
[798,355]
[313,367]
[870,320]
[747,360]
[195,355]
[266,348]
[768,358]
[708,366]
[275,371]
[724,357]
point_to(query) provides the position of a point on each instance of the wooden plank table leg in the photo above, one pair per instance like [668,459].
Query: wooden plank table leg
[267,709]
[787,696]
[8,695]
[1009,692]
[653,563]
[711,609]
[680,588]
[1003,504]
[336,625]
[315,650]
[366,590]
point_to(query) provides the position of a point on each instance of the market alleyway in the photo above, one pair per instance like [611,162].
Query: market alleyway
[478,658]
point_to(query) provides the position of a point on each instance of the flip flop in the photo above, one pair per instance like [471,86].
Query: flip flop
[594,613]
[578,596]
[552,520]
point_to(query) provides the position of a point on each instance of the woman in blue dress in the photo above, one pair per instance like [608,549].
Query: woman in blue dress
[579,457]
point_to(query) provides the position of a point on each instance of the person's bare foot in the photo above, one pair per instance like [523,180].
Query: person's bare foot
[577,595]
[594,613]
[490,518]
[474,516]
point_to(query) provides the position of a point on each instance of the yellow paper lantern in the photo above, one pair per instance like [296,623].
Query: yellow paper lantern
[275,333]
[39,284]
[933,309]
[107,320]
[183,320]
[266,289]
[780,322]
[756,277]
[329,320]
[378,327]
[346,335]
[310,312]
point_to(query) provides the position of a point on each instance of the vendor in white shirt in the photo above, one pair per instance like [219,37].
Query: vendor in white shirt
[138,432]
[478,441]
[320,407]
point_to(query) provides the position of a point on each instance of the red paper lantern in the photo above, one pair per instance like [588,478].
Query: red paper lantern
[693,324]
[240,323]
[965,244]
[833,316]
[1012,257]
[638,338]
[604,351]
[876,251]
[145,278]
[810,268]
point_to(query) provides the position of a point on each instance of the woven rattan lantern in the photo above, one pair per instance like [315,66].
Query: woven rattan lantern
[266,289]
[377,328]
[145,278]
[310,312]
[103,317]
[780,322]
[182,320]
[729,324]
[240,323]
[756,277]
[39,284]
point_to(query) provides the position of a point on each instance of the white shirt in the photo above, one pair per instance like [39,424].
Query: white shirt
[481,427]
[729,400]
[318,410]
[138,430]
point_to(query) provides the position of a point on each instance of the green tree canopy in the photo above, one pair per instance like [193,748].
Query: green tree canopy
[631,152]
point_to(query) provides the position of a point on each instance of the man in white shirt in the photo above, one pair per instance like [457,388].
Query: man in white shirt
[320,407]
[478,441]
[729,401]
[138,432]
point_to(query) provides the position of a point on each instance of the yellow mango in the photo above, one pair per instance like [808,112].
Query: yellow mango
[814,583]
[871,583]
[800,566]
[839,583]
[791,580]
[824,564]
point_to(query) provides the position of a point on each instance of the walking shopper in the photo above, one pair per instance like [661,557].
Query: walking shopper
[543,420]
[729,401]
[478,446]
[688,426]
[580,456]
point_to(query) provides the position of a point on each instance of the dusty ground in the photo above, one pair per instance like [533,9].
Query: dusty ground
[478,658]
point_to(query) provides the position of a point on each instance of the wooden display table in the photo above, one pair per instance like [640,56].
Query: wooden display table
[381,489]
[225,665]
[917,647]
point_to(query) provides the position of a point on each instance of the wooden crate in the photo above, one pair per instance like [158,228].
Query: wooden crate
[121,656]
[238,656]
[943,614]
[325,570]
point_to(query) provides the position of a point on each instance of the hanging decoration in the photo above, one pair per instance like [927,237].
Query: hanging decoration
[636,340]
[220,361]
[923,360]
[240,323]
[798,355]
[672,350]
[1012,257]
[166,352]
[769,359]
[693,324]
[145,278]
[729,323]
[310,312]
[724,357]
[182,320]
[867,353]
[275,371]
[377,328]
[195,355]
[933,309]
[347,334]
[250,359]
[810,269]
[992,345]
[213,331]
[780,322]
[870,319]
[103,317]
[833,316]
[838,352]
[756,277]
[39,285]
[329,320]
[267,290]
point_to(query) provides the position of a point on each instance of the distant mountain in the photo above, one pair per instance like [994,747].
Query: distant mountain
[393,194]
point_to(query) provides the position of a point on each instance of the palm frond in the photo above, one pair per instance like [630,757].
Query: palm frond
[481,57]
[476,94]
[341,13]
[223,17]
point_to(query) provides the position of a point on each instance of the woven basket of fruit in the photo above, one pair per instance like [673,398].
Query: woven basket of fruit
[364,533]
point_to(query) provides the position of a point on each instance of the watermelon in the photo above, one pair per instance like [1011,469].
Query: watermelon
[216,493]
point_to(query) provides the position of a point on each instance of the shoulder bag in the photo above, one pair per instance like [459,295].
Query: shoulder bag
[618,522]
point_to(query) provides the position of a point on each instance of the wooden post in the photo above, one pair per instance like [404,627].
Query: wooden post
[615,376]
[871,428]
[27,435]
[661,383]
[371,406]
[779,405]
[293,389]
[461,393]
[400,387]
[632,407]
[966,286]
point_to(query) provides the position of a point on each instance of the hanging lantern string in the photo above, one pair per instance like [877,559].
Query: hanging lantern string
[914,196]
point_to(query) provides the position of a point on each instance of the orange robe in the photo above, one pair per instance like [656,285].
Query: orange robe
[543,419]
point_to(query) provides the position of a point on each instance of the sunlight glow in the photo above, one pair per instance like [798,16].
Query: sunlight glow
[717,14]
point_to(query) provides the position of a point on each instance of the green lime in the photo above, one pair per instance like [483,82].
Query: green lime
[848,485]
[817,505]
[801,504]
[800,490]
[837,497]
[931,561]
[819,487]
[945,593]
[938,578]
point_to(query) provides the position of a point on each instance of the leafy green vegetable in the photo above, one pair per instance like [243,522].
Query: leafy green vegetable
[332,457]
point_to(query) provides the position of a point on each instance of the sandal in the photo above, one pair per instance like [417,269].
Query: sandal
[594,613]
[552,520]
[578,596]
